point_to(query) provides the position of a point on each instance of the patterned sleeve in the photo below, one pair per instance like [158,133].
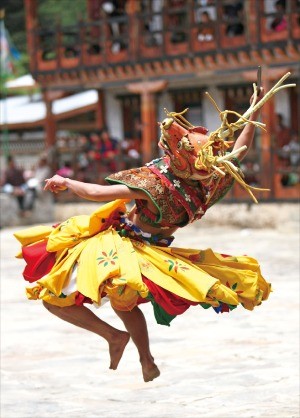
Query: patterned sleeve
[138,178]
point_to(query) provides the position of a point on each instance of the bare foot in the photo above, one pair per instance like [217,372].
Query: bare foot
[117,347]
[150,374]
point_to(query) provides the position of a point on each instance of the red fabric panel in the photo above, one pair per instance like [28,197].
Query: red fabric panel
[171,303]
[39,261]
[80,299]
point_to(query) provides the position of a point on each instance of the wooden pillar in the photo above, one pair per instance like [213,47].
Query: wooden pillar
[147,90]
[267,162]
[50,125]
[132,8]
[100,111]
[252,14]
[31,23]
[94,9]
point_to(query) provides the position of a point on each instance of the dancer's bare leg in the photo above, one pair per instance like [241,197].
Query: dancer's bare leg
[136,325]
[84,318]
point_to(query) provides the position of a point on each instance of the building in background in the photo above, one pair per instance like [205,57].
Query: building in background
[139,57]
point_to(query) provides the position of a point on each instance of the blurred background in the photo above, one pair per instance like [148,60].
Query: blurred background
[84,83]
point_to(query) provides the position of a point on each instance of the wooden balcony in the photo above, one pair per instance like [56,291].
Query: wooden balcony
[169,41]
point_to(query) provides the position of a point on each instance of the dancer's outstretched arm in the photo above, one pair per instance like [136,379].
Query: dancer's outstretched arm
[247,135]
[95,192]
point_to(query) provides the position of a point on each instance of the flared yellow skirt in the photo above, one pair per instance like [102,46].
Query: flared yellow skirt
[117,266]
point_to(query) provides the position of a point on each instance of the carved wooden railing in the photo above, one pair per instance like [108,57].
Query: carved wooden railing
[144,36]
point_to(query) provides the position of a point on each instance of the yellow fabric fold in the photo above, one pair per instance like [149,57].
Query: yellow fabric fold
[177,276]
[33,234]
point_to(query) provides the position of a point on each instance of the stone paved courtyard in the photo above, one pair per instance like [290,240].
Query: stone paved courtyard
[238,365]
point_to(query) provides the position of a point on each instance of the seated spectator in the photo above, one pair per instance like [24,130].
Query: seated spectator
[109,145]
[153,23]
[131,148]
[279,23]
[177,20]
[41,173]
[233,14]
[282,132]
[66,170]
[115,10]
[295,149]
[282,137]
[14,183]
[207,30]
[94,146]
[108,150]
[292,150]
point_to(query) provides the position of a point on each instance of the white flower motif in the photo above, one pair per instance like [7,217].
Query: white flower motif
[143,183]
[151,163]
[164,169]
[176,183]
[187,197]
[159,189]
[200,211]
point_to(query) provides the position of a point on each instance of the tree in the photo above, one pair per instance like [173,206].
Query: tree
[50,12]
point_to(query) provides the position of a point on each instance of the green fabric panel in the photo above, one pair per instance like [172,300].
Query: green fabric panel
[161,316]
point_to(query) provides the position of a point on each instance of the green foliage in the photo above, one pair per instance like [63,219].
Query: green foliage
[50,13]
[14,20]
[65,12]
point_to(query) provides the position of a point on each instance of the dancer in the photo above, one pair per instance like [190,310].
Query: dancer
[126,256]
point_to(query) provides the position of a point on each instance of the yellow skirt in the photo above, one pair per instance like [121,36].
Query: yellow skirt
[129,270]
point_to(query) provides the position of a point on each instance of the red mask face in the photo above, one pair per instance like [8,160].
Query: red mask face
[182,145]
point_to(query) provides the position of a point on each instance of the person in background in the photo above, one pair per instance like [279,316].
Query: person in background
[233,15]
[35,180]
[207,31]
[108,150]
[42,172]
[282,135]
[66,170]
[281,131]
[14,183]
[279,23]
[294,149]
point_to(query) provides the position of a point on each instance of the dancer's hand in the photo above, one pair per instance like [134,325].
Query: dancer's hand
[55,184]
[260,95]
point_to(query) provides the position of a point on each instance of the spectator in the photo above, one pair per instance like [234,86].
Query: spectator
[279,23]
[65,170]
[233,14]
[131,148]
[14,183]
[282,137]
[94,147]
[154,21]
[178,20]
[115,10]
[108,149]
[42,172]
[282,132]
[207,30]
[292,150]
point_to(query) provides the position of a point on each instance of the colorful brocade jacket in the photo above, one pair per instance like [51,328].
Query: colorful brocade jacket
[178,201]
